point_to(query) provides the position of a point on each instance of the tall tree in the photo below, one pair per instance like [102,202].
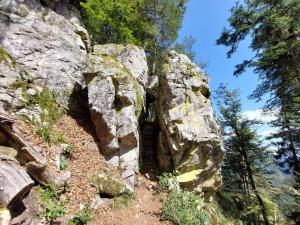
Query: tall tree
[274,28]
[186,47]
[242,146]
[151,24]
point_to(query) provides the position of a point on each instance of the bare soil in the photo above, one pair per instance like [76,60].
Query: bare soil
[85,162]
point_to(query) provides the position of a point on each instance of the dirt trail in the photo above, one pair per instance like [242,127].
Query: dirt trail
[144,209]
[87,161]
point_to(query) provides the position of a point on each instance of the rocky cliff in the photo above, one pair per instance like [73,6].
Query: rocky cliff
[46,53]
[190,139]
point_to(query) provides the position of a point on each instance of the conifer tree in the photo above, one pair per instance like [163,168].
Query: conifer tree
[274,29]
[243,150]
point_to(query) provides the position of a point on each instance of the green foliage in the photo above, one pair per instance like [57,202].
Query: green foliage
[7,58]
[150,24]
[114,21]
[166,182]
[82,217]
[65,155]
[185,208]
[123,200]
[53,206]
[46,133]
[63,162]
[274,29]
[244,153]
[19,83]
[186,47]
[49,114]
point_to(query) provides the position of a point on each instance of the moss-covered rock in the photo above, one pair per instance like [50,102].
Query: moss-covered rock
[116,77]
[190,134]
[107,185]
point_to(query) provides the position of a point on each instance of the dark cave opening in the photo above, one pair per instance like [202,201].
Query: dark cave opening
[149,130]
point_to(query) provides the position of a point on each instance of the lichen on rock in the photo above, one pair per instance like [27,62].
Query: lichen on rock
[190,139]
[116,76]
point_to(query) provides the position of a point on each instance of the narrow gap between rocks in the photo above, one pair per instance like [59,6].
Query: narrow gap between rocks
[149,130]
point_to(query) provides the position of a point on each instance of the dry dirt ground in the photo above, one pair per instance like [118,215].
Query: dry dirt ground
[87,161]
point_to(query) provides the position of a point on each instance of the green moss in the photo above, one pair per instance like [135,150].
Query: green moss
[10,152]
[139,101]
[45,14]
[6,57]
[19,83]
[123,200]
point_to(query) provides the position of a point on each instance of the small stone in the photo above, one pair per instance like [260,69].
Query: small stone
[97,202]
[31,92]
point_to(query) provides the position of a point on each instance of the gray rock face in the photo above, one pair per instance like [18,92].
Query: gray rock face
[48,44]
[116,77]
[190,139]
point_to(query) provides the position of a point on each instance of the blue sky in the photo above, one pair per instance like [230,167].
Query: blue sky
[204,20]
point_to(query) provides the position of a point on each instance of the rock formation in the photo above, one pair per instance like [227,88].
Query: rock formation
[189,140]
[46,47]
[116,77]
[48,44]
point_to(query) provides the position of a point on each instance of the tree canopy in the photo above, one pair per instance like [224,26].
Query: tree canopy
[274,29]
[151,24]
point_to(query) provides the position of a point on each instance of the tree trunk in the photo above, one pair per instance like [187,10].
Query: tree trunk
[252,183]
[295,157]
[14,181]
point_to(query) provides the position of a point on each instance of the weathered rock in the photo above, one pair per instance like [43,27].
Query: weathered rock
[98,202]
[31,207]
[14,181]
[106,184]
[116,76]
[46,43]
[29,157]
[190,140]
[5,217]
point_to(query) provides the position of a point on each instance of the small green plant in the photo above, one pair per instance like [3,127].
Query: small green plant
[44,132]
[123,200]
[58,138]
[185,208]
[6,57]
[167,181]
[82,217]
[63,162]
[19,83]
[53,206]
[64,156]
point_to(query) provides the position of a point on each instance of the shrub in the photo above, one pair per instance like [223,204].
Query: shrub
[53,206]
[185,208]
[123,200]
[167,181]
[82,217]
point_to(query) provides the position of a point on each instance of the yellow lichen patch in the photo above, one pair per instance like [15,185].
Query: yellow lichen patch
[186,106]
[189,176]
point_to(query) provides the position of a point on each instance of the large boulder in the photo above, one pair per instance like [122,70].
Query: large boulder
[48,45]
[189,141]
[116,76]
